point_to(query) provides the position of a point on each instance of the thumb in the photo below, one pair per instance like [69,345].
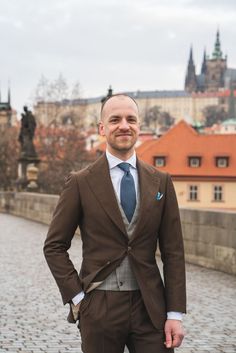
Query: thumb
[168,342]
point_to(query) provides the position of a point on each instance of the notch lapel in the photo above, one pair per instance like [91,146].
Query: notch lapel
[100,183]
[149,183]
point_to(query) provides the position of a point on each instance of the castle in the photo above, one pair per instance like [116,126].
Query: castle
[214,86]
[214,75]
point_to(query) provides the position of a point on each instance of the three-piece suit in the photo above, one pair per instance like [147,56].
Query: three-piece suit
[88,200]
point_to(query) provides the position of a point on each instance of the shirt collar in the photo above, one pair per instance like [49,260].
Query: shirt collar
[113,161]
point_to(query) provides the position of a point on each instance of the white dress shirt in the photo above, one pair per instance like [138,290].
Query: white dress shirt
[116,175]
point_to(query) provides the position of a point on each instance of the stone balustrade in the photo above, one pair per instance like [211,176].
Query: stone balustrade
[209,235]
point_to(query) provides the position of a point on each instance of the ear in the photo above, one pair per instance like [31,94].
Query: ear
[101,128]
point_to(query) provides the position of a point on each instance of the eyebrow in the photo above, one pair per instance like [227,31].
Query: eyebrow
[118,116]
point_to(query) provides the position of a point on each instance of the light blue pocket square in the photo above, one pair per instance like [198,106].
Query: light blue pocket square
[159,196]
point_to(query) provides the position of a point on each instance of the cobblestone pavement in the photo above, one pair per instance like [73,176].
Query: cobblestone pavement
[32,317]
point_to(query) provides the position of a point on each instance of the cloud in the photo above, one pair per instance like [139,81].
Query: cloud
[141,44]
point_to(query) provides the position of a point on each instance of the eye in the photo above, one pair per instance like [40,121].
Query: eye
[114,120]
[132,119]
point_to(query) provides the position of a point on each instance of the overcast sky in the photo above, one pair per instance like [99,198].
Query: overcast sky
[130,44]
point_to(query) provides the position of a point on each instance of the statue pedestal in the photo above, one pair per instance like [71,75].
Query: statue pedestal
[24,163]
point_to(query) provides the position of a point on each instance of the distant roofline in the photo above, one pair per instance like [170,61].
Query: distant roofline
[147,95]
[135,94]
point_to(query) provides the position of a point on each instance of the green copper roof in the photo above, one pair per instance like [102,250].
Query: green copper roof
[217,53]
[4,106]
[229,122]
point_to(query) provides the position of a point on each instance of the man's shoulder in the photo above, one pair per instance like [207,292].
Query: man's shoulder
[80,174]
[152,170]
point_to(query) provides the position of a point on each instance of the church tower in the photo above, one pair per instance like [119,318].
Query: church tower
[5,112]
[190,79]
[215,68]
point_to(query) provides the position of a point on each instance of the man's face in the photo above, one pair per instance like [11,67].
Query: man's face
[120,124]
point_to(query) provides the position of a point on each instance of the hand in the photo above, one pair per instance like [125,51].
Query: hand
[75,310]
[174,333]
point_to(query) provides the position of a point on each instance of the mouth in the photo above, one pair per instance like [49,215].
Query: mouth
[123,135]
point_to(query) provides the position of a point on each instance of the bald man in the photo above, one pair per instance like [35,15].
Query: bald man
[124,208]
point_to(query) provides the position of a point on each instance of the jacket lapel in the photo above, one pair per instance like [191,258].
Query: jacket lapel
[101,185]
[149,183]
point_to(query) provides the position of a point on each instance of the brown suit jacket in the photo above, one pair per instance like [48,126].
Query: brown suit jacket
[88,201]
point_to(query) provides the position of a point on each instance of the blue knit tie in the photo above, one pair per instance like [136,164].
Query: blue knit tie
[127,191]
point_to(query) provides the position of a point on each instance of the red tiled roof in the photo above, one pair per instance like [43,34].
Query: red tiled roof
[224,93]
[181,142]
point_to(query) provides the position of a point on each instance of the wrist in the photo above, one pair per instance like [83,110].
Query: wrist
[174,315]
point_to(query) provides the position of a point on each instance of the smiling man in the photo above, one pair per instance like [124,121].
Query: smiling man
[124,208]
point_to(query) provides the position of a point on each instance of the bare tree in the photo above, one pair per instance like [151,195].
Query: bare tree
[60,150]
[155,117]
[9,149]
[214,114]
[55,98]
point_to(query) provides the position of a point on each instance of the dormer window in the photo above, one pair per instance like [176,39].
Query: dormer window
[160,161]
[222,162]
[194,162]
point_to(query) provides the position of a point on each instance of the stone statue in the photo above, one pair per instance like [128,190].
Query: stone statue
[28,126]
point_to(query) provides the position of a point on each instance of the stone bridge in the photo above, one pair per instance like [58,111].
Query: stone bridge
[33,319]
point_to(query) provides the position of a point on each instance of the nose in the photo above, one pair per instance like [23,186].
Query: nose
[124,124]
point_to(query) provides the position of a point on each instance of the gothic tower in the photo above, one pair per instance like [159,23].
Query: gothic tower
[190,79]
[215,68]
[204,65]
[5,112]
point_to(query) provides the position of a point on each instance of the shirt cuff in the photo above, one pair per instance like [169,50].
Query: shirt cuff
[77,299]
[173,315]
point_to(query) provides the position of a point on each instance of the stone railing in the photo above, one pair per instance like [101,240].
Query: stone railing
[209,236]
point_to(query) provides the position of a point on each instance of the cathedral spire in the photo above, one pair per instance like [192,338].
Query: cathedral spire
[190,79]
[190,60]
[217,53]
[9,95]
[204,65]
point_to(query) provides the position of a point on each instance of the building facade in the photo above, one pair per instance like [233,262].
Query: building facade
[203,167]
[179,104]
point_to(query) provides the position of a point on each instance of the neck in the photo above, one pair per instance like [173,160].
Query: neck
[123,155]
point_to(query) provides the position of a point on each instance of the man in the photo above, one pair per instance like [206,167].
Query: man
[123,207]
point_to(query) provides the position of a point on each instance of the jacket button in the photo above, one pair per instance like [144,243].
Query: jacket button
[129,248]
[108,262]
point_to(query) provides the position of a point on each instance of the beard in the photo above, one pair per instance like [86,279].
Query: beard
[123,146]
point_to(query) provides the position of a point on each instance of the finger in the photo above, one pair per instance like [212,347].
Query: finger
[177,340]
[168,341]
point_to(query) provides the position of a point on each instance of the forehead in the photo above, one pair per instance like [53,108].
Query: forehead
[119,105]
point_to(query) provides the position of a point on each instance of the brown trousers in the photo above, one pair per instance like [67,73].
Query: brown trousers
[109,320]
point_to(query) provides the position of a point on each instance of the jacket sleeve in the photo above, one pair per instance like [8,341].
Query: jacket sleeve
[172,252]
[61,231]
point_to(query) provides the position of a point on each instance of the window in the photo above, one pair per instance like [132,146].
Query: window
[222,162]
[194,162]
[160,161]
[222,100]
[218,193]
[193,192]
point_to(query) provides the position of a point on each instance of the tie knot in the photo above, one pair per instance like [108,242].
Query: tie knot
[124,166]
